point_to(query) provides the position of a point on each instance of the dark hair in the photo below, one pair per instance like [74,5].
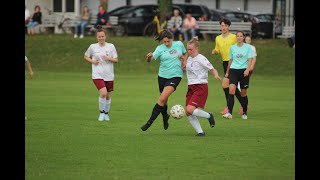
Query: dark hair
[37,6]
[163,34]
[226,21]
[99,28]
[244,35]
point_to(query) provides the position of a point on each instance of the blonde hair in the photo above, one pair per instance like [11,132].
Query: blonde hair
[194,41]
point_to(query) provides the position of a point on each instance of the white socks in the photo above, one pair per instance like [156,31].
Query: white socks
[108,103]
[200,113]
[195,123]
[102,104]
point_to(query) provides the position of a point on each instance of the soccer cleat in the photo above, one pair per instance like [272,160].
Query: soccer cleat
[244,117]
[227,115]
[201,134]
[225,110]
[211,120]
[106,117]
[165,121]
[145,126]
[101,117]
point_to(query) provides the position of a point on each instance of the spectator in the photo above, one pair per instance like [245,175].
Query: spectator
[36,20]
[102,18]
[177,24]
[27,15]
[189,26]
[83,22]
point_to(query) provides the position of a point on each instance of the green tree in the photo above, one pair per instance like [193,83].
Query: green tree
[165,9]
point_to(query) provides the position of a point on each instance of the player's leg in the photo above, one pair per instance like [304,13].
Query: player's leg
[109,86]
[197,101]
[244,84]
[232,88]
[225,86]
[99,83]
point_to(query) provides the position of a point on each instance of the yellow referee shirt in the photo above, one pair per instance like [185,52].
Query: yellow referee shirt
[223,45]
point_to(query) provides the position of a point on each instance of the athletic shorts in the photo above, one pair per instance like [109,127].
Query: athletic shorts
[163,82]
[100,83]
[236,75]
[197,95]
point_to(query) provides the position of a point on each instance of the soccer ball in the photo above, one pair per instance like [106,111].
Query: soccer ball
[177,111]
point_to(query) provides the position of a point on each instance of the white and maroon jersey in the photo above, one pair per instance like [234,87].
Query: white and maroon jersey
[197,69]
[104,69]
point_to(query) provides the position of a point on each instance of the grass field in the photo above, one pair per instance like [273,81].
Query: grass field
[64,139]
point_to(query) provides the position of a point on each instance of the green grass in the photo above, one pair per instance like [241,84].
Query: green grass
[64,139]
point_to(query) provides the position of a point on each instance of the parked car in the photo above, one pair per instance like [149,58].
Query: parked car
[262,25]
[133,20]
[233,16]
[199,12]
[119,10]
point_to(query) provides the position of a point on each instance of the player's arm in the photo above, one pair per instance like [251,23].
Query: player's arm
[246,72]
[109,58]
[215,73]
[228,68]
[29,68]
[183,59]
[216,48]
[149,57]
[90,60]
[253,63]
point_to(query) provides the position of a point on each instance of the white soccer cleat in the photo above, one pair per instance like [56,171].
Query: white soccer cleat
[244,116]
[227,115]
[101,117]
[106,117]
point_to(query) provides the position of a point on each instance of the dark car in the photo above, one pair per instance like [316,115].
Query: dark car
[119,10]
[133,20]
[233,16]
[199,12]
[262,25]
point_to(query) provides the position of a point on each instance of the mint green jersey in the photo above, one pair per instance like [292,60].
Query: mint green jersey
[240,56]
[170,64]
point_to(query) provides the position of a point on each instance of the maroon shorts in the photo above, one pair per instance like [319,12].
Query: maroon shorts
[197,95]
[100,83]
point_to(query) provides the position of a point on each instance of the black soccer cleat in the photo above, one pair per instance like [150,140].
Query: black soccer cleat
[211,120]
[145,126]
[201,134]
[165,121]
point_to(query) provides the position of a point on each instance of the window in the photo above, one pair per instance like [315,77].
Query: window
[69,5]
[58,5]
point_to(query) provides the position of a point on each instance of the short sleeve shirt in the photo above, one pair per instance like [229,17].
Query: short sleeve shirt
[197,69]
[240,56]
[104,69]
[170,64]
[223,45]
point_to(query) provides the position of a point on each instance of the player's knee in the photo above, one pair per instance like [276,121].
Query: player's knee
[189,110]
